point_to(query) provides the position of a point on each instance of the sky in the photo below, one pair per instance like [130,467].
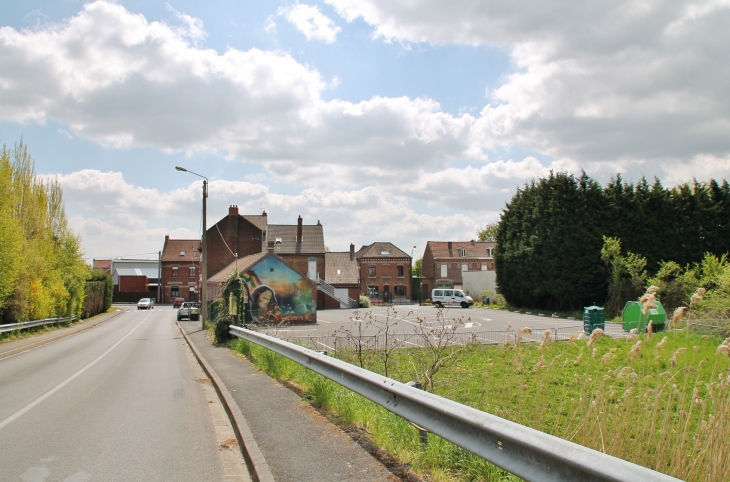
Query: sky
[386,120]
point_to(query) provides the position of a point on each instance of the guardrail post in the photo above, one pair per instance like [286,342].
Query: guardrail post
[422,434]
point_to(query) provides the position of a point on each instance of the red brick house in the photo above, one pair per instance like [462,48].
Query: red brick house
[234,235]
[181,269]
[444,262]
[384,268]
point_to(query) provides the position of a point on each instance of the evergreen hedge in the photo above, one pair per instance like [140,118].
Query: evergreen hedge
[551,233]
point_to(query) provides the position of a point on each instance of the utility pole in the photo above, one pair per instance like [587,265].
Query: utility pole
[159,276]
[204,248]
[204,263]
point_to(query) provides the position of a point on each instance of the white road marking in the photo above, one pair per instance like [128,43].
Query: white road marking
[53,390]
[487,319]
[323,321]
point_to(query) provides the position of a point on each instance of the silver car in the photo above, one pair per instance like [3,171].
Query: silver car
[146,304]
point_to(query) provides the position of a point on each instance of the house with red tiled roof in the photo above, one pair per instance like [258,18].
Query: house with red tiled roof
[445,262]
[181,271]
[385,272]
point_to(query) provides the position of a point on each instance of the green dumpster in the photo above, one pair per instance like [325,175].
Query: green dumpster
[634,317]
[593,317]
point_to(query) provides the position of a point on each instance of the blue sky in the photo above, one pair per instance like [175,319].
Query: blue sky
[386,120]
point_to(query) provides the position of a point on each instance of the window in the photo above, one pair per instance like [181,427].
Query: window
[462,252]
[371,271]
[443,271]
[399,271]
[182,253]
[174,271]
[174,292]
[191,272]
[400,291]
[448,292]
[385,253]
[372,291]
[464,267]
[438,292]
[489,252]
[484,266]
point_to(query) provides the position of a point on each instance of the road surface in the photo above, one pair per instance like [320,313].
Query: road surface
[122,401]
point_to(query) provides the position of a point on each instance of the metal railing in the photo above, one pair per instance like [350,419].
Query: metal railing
[327,288]
[525,452]
[31,324]
[411,340]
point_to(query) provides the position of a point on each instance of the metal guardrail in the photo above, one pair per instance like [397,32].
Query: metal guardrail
[525,452]
[31,324]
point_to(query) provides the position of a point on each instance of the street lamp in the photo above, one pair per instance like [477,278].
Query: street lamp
[204,263]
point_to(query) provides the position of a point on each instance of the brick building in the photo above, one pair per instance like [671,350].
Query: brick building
[301,246]
[444,262]
[235,235]
[180,269]
[342,274]
[134,278]
[383,268]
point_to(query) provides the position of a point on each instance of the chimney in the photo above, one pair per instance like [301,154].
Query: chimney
[167,238]
[233,220]
[270,246]
[299,235]
[352,252]
[472,242]
[450,246]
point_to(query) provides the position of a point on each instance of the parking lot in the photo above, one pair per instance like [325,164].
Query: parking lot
[405,319]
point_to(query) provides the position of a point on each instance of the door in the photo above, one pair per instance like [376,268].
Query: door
[312,269]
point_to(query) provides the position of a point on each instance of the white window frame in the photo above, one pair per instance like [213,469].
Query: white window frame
[444,270]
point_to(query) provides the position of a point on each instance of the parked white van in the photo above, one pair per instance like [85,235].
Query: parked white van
[456,297]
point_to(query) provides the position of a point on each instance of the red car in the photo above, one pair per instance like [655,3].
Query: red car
[177,302]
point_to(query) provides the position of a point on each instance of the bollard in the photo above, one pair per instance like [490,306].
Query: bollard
[422,434]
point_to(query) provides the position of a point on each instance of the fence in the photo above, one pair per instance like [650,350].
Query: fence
[32,324]
[525,452]
[408,340]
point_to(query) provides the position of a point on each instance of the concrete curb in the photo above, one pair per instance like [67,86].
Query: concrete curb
[259,468]
[83,327]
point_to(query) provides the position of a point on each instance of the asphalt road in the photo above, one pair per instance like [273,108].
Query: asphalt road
[121,401]
[405,318]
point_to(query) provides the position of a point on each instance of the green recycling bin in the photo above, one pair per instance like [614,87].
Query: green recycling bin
[593,317]
[634,317]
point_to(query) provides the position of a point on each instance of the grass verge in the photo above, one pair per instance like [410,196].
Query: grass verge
[662,401]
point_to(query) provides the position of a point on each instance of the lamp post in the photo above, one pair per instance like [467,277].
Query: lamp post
[204,262]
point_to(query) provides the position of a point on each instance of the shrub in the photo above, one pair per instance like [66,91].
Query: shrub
[364,301]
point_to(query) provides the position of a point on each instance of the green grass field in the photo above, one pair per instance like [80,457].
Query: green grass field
[661,402]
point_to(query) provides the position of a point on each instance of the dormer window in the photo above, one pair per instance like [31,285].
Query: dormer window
[385,253]
[278,240]
[489,252]
[462,252]
[182,253]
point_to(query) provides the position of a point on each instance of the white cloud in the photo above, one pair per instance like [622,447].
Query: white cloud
[116,78]
[311,22]
[593,81]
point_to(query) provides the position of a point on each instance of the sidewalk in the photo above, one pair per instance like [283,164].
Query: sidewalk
[13,347]
[298,443]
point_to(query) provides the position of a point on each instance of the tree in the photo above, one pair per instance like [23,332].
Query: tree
[489,233]
[418,268]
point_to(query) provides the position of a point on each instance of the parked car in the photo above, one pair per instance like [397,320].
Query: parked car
[454,297]
[146,304]
[177,302]
[189,310]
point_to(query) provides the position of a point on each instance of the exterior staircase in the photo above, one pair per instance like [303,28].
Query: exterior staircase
[329,290]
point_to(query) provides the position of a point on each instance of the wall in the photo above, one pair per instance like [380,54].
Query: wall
[300,262]
[133,283]
[477,281]
[183,281]
[385,274]
[241,236]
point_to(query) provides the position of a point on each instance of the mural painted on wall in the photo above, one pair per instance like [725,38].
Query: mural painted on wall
[278,294]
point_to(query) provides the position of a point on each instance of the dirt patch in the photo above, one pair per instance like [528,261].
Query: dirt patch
[228,444]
